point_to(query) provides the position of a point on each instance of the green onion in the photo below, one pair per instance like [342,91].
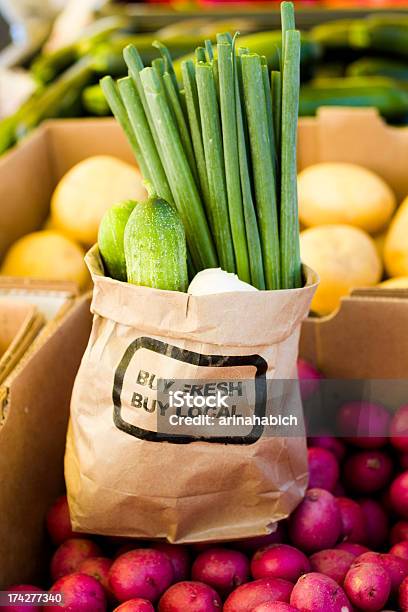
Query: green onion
[193,110]
[200,55]
[251,224]
[159,66]
[168,62]
[263,170]
[211,132]
[135,66]
[289,230]
[231,159]
[118,109]
[288,23]
[276,91]
[209,51]
[216,74]
[179,174]
[141,127]
[175,105]
[269,112]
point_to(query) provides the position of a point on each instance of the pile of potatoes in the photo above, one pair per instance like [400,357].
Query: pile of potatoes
[77,206]
[355,233]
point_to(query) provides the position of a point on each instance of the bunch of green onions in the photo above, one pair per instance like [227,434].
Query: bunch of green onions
[221,148]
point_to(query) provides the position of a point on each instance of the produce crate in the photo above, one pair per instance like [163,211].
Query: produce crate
[34,407]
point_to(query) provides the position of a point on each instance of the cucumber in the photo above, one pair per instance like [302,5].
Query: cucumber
[372,66]
[94,101]
[384,94]
[388,34]
[111,239]
[155,246]
[332,35]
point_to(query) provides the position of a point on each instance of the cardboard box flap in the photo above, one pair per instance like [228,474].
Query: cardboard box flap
[32,445]
[50,297]
[359,136]
[362,339]
[19,325]
[25,189]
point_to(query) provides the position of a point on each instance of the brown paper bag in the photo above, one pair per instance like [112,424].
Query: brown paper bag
[127,478]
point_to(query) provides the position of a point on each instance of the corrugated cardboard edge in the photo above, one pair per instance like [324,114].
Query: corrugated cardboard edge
[32,442]
[30,327]
[368,323]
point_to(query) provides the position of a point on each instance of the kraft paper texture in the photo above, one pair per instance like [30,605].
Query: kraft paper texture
[121,481]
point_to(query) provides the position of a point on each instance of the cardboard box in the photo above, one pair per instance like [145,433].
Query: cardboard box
[19,325]
[363,339]
[34,404]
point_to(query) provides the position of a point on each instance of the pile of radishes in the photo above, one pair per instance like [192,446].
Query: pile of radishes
[344,548]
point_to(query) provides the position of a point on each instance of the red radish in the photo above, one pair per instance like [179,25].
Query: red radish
[385,501]
[23,588]
[309,378]
[222,569]
[351,547]
[135,605]
[143,572]
[191,596]
[364,424]
[403,595]
[399,494]
[403,461]
[179,557]
[98,568]
[368,586]
[367,557]
[318,593]
[246,597]
[376,523]
[253,544]
[279,561]
[316,522]
[334,445]
[58,521]
[332,562]
[352,519]
[367,471]
[397,569]
[399,429]
[400,549]
[70,554]
[339,490]
[275,606]
[323,469]
[399,532]
[81,593]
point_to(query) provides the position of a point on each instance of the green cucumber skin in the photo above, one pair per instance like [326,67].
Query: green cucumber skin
[390,100]
[111,239]
[155,247]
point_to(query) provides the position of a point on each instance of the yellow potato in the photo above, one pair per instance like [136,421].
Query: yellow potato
[85,193]
[340,193]
[47,255]
[379,241]
[399,282]
[396,243]
[344,257]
